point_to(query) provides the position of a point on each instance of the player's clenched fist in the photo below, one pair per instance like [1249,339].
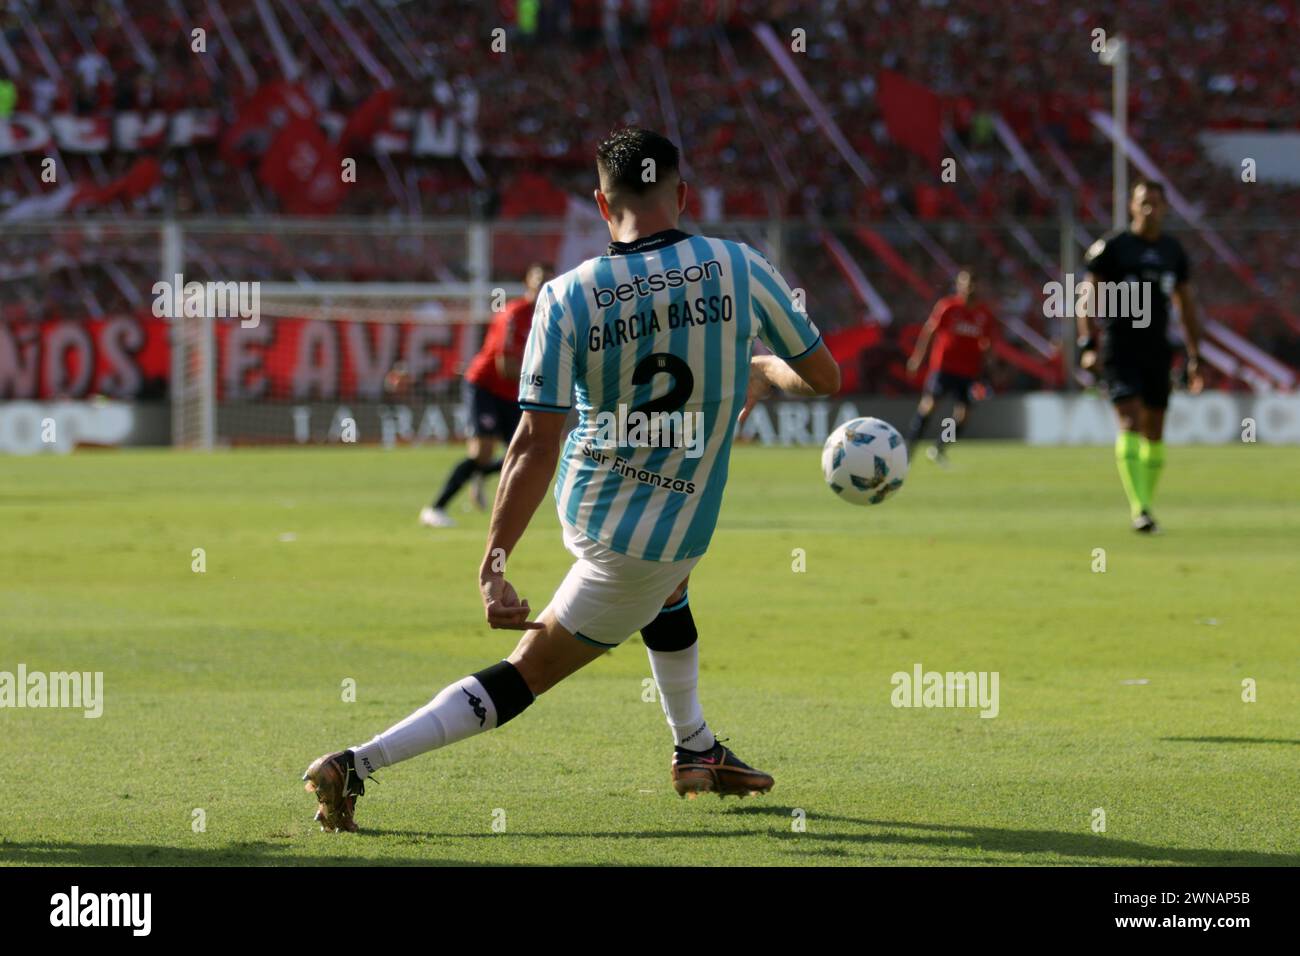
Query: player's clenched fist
[501,604]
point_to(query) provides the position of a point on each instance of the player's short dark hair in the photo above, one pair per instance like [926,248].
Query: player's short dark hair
[1152,185]
[620,160]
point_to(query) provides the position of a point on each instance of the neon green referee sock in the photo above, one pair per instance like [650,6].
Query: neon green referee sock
[1127,459]
[1151,456]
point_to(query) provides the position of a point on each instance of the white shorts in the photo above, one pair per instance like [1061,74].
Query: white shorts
[607,597]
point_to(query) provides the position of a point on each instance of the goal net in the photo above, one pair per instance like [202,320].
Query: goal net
[331,363]
[339,331]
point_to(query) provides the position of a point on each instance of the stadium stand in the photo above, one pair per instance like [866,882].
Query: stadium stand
[440,125]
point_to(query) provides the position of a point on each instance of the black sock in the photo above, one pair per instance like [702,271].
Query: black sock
[459,475]
[506,686]
[491,468]
[917,428]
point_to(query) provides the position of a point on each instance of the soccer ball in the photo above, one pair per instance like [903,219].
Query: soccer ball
[865,461]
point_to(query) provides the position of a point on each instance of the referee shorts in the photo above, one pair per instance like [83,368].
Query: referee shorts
[607,597]
[1141,375]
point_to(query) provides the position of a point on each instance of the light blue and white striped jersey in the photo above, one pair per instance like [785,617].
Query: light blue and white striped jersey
[663,324]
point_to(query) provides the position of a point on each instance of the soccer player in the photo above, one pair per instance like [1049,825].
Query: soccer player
[491,390]
[963,330]
[665,323]
[1144,268]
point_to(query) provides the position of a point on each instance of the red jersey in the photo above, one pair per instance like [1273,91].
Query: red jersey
[961,334]
[507,335]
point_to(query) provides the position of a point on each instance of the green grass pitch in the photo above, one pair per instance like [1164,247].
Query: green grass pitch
[1120,691]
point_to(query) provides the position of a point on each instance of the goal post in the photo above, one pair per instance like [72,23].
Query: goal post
[193,362]
[346,363]
[328,359]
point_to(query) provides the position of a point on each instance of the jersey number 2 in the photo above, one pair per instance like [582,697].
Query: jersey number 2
[664,363]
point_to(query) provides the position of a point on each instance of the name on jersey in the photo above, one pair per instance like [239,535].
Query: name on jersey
[702,310]
[642,286]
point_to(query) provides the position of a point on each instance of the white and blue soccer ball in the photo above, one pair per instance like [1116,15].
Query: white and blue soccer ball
[865,461]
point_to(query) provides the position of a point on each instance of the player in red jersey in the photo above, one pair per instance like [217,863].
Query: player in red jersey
[491,394]
[963,329]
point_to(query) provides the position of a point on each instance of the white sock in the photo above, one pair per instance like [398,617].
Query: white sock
[460,710]
[677,673]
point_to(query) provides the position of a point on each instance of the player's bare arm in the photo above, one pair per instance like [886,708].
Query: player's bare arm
[922,345]
[1191,321]
[525,478]
[508,365]
[811,375]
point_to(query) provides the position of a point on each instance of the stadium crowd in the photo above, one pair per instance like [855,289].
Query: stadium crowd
[528,116]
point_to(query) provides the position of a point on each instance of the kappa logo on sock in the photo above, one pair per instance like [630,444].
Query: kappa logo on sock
[477,704]
[366,762]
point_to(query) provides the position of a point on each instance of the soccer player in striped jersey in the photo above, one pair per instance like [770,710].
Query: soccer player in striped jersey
[653,345]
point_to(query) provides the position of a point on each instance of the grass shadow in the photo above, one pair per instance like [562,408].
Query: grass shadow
[249,853]
[1230,740]
[828,836]
[1089,848]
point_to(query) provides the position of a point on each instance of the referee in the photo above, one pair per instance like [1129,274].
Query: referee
[1135,353]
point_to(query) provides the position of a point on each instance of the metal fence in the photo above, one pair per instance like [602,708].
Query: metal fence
[69,280]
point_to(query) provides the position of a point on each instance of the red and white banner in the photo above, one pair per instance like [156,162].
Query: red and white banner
[145,173]
[427,132]
[280,359]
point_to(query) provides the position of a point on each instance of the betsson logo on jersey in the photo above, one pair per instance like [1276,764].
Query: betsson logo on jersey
[642,286]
